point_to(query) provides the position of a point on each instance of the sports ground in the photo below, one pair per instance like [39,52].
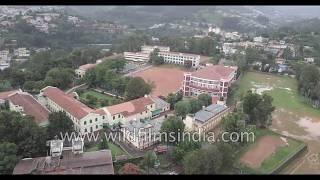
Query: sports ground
[293,117]
[166,79]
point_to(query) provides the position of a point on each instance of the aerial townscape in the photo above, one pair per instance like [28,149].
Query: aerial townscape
[146,90]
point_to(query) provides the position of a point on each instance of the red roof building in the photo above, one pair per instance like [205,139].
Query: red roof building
[26,104]
[213,80]
[66,102]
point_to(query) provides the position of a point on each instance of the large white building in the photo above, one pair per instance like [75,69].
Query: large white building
[137,56]
[4,55]
[22,52]
[86,119]
[180,58]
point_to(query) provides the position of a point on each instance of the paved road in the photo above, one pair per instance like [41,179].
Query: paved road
[74,88]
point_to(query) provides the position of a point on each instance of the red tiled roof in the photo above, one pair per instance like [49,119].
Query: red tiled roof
[6,94]
[30,107]
[86,67]
[130,107]
[69,104]
[215,72]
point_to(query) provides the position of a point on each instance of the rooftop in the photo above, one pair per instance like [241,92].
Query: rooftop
[86,67]
[209,112]
[216,72]
[69,104]
[96,162]
[128,108]
[30,107]
[6,94]
[179,53]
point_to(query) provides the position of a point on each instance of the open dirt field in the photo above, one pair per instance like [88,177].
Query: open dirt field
[166,80]
[261,151]
[293,117]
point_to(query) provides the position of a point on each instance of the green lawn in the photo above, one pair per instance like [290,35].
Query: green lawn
[101,97]
[288,99]
[115,150]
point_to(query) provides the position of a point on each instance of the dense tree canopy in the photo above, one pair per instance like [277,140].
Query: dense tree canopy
[24,132]
[173,127]
[59,77]
[8,157]
[59,123]
[258,108]
[136,88]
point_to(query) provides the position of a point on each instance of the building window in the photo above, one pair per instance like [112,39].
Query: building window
[151,106]
[114,117]
[96,119]
[96,126]
[90,121]
[119,116]
[85,122]
[85,130]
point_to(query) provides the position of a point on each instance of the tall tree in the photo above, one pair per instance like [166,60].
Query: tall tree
[149,160]
[205,99]
[59,123]
[182,108]
[155,58]
[207,160]
[258,108]
[24,132]
[173,127]
[59,77]
[136,88]
[103,143]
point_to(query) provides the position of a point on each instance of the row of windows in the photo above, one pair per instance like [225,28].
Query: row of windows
[204,85]
[90,121]
[177,57]
[91,129]
[204,81]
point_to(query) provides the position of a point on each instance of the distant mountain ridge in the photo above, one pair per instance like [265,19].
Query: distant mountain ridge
[243,17]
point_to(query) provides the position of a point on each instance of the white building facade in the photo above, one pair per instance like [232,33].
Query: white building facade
[180,58]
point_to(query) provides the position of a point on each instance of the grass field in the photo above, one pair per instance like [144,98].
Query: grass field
[115,150]
[280,155]
[285,94]
[293,116]
[100,98]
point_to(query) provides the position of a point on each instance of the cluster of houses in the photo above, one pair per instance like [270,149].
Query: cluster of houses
[18,54]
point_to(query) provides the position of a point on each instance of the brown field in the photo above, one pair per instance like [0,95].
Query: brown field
[264,149]
[166,80]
